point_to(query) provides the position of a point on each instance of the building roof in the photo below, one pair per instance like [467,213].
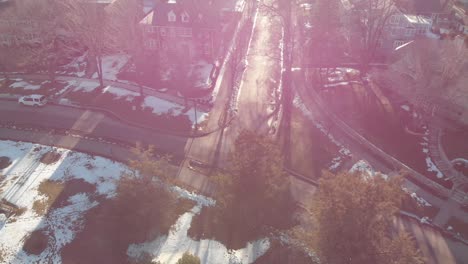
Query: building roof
[426,6]
[201,13]
[414,19]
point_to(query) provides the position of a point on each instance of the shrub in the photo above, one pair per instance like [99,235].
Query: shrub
[36,242]
[4,162]
[188,258]
[50,157]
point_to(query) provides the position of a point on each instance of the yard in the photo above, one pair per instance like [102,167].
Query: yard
[75,207]
[128,105]
[21,87]
[367,110]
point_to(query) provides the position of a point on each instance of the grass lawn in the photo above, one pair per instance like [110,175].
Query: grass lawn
[459,227]
[123,108]
[311,150]
[455,144]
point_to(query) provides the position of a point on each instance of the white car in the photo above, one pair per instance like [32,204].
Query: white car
[33,100]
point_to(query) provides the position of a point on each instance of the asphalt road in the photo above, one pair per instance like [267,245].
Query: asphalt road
[91,123]
[254,98]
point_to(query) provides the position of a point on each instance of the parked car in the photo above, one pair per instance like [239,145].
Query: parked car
[33,100]
[194,164]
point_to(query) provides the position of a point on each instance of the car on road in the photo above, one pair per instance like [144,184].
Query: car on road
[33,100]
[163,90]
[195,165]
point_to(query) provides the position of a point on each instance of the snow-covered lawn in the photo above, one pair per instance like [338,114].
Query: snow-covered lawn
[160,106]
[86,86]
[20,183]
[169,249]
[120,92]
[201,73]
[25,85]
[112,65]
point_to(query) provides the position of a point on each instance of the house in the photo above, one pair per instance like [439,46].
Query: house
[187,27]
[402,28]
[460,18]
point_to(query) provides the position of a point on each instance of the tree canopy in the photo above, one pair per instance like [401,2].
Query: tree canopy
[353,215]
[188,258]
[259,186]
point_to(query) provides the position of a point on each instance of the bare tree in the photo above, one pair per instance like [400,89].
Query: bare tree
[127,34]
[37,47]
[89,23]
[374,15]
[427,69]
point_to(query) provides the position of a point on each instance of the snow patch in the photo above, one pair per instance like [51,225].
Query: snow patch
[25,85]
[119,92]
[405,107]
[86,86]
[169,249]
[160,106]
[111,66]
[431,167]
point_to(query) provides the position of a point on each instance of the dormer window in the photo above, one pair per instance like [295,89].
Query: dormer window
[185,17]
[171,16]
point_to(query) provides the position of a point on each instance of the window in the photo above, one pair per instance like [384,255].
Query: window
[421,30]
[164,45]
[408,32]
[184,32]
[207,49]
[152,44]
[171,17]
[380,43]
[172,32]
[398,43]
[162,32]
[149,29]
[185,17]
[394,31]
[394,19]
